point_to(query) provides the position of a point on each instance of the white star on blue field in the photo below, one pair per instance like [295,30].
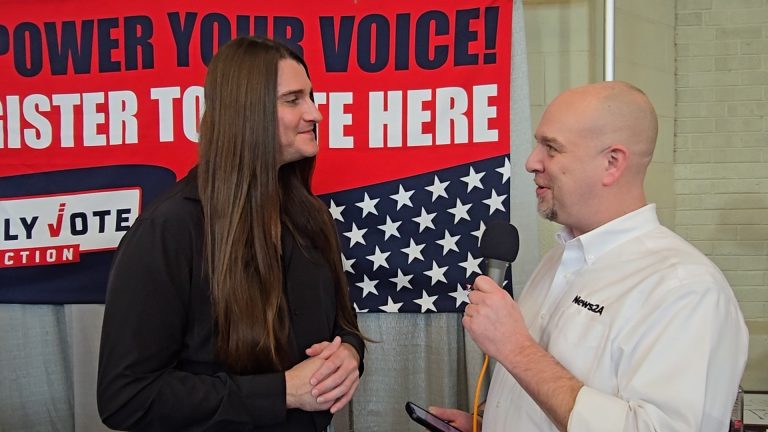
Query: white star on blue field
[412,244]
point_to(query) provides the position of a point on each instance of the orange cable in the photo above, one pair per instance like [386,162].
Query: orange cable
[477,393]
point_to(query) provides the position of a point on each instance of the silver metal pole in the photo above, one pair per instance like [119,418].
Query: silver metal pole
[608,58]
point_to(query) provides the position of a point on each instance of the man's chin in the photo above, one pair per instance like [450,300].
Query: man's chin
[549,214]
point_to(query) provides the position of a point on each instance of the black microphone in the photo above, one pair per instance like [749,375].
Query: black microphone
[499,246]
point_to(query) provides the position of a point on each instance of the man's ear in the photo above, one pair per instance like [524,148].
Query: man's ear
[616,160]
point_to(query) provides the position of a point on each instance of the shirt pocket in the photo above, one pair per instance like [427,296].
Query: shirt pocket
[579,341]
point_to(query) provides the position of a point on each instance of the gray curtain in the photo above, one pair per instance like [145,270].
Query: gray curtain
[48,354]
[35,369]
[420,358]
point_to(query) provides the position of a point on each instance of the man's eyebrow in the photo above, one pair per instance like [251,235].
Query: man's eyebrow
[548,140]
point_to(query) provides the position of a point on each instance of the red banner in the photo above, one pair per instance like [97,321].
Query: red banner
[102,97]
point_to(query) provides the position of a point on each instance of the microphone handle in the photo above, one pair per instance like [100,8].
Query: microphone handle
[496,270]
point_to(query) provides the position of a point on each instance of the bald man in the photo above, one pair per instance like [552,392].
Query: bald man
[624,326]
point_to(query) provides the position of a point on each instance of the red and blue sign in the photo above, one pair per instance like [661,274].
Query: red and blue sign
[99,107]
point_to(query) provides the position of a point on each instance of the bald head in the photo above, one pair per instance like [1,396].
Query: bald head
[615,112]
[594,145]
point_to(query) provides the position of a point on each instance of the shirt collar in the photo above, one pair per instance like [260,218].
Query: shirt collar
[601,239]
[189,185]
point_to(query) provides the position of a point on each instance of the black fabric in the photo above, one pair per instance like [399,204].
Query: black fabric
[157,370]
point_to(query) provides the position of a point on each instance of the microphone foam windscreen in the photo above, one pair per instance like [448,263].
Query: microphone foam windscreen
[500,241]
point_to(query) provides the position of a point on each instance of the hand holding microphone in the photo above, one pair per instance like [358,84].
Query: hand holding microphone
[492,317]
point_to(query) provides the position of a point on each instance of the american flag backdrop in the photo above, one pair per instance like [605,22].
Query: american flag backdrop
[415,99]
[414,160]
[412,245]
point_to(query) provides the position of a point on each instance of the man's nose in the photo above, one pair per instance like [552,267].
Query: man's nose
[533,163]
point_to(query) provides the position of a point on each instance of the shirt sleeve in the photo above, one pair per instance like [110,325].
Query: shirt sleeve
[139,385]
[679,368]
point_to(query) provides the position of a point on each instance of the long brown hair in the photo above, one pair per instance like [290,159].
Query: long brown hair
[246,196]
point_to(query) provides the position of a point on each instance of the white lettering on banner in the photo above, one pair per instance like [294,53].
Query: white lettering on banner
[192,108]
[49,229]
[396,118]
[39,136]
[417,117]
[452,105]
[338,117]
[40,112]
[165,97]
[193,103]
[480,117]
[390,118]
[39,256]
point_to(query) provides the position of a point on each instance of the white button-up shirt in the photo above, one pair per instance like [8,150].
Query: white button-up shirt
[644,320]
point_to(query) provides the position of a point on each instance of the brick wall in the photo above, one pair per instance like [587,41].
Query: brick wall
[721,151]
[645,57]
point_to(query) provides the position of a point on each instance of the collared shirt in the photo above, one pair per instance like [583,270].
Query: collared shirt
[644,320]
